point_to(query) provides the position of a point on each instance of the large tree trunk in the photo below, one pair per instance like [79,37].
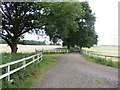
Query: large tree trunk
[14,46]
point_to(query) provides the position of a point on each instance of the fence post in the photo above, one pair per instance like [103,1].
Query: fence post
[24,62]
[67,50]
[86,51]
[82,51]
[111,58]
[8,70]
[35,51]
[89,54]
[33,58]
[42,50]
[38,58]
[105,57]
[41,56]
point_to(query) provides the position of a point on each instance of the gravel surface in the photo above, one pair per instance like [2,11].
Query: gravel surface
[73,71]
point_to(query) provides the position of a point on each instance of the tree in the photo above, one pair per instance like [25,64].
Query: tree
[63,20]
[60,17]
[17,19]
[21,17]
[85,35]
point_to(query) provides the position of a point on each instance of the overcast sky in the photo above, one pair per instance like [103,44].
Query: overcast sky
[106,26]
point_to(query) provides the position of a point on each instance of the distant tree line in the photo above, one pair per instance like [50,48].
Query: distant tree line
[3,41]
[26,42]
[32,42]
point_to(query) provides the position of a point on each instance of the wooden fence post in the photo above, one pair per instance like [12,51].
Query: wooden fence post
[41,56]
[105,57]
[111,58]
[36,51]
[42,50]
[38,58]
[83,51]
[86,51]
[8,70]
[24,62]
[67,51]
[33,58]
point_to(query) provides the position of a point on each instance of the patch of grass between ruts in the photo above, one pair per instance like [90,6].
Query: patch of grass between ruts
[102,61]
[26,78]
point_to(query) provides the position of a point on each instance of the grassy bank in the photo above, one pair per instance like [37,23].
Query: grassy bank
[101,61]
[26,78]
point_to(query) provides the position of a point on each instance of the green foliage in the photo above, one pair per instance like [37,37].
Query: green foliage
[60,16]
[8,57]
[73,22]
[17,19]
[26,78]
[102,61]
[85,35]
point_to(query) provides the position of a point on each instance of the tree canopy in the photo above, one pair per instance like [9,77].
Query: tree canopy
[60,16]
[17,19]
[73,22]
[85,35]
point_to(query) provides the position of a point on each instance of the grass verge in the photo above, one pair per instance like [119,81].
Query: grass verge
[102,61]
[26,78]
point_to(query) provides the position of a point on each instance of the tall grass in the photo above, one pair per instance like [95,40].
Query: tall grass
[8,57]
[26,78]
[101,61]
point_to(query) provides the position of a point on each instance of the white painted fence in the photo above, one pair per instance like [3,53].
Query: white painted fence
[36,57]
[56,51]
[99,55]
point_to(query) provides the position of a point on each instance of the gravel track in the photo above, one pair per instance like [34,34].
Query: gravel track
[73,71]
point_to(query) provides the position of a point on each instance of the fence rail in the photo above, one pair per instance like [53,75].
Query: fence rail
[99,55]
[36,57]
[56,51]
